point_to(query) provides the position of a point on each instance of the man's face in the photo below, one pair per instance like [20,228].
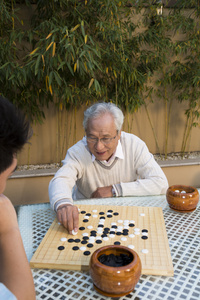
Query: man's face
[102,127]
[5,174]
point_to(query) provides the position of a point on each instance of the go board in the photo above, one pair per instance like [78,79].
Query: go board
[140,228]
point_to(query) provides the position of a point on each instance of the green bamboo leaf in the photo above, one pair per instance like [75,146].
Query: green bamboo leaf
[37,64]
[58,78]
[82,29]
[70,68]
[51,77]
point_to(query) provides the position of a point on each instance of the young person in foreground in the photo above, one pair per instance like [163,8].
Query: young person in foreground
[107,162]
[16,280]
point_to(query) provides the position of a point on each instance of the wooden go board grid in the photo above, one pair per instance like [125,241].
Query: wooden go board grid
[156,262]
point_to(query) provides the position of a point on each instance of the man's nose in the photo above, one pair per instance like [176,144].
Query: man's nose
[99,145]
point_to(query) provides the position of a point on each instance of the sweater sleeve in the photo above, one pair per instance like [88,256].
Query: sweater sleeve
[151,180]
[61,186]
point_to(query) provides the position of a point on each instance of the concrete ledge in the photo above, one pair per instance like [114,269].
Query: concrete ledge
[34,173]
[40,172]
[179,162]
[31,186]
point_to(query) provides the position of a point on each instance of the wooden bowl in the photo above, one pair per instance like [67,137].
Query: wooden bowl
[115,281]
[182,198]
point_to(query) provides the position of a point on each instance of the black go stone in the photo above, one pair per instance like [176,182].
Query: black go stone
[131,225]
[86,253]
[125,233]
[101,213]
[75,248]
[117,243]
[82,228]
[70,240]
[112,232]
[109,216]
[144,237]
[85,220]
[77,240]
[104,235]
[93,232]
[114,226]
[89,245]
[61,248]
[86,238]
[100,225]
[107,229]
[102,218]
[110,210]
[118,233]
[144,230]
[88,214]
[98,241]
[83,212]
[84,242]
[115,213]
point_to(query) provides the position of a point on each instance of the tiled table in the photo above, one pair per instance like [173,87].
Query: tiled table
[183,230]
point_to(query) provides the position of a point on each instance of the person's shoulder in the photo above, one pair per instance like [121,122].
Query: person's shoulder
[79,150]
[130,138]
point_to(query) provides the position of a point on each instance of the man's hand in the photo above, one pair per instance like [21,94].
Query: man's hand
[68,216]
[103,192]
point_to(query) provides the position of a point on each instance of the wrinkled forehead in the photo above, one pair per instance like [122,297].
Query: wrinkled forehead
[103,123]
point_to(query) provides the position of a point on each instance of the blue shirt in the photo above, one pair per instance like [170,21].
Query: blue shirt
[5,294]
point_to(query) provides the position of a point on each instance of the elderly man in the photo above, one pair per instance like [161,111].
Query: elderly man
[107,162]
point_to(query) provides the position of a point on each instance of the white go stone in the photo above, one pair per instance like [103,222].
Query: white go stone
[85,234]
[123,239]
[119,228]
[94,216]
[145,233]
[113,223]
[142,215]
[91,241]
[83,248]
[137,232]
[137,229]
[94,210]
[63,239]
[105,238]
[126,227]
[131,235]
[145,251]
[90,227]
[111,235]
[86,217]
[120,221]
[131,246]
[74,232]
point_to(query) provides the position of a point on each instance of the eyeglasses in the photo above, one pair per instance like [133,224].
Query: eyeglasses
[104,141]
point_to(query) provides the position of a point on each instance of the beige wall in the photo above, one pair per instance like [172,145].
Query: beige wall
[35,189]
[51,140]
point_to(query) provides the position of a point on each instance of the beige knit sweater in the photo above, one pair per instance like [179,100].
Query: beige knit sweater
[137,174]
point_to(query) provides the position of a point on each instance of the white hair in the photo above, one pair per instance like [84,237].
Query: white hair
[102,108]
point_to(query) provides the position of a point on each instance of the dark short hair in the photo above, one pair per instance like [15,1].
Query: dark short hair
[14,132]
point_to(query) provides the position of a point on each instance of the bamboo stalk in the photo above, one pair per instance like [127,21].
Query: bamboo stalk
[152,127]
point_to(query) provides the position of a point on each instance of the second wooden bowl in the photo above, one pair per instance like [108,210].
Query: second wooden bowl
[182,198]
[115,281]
